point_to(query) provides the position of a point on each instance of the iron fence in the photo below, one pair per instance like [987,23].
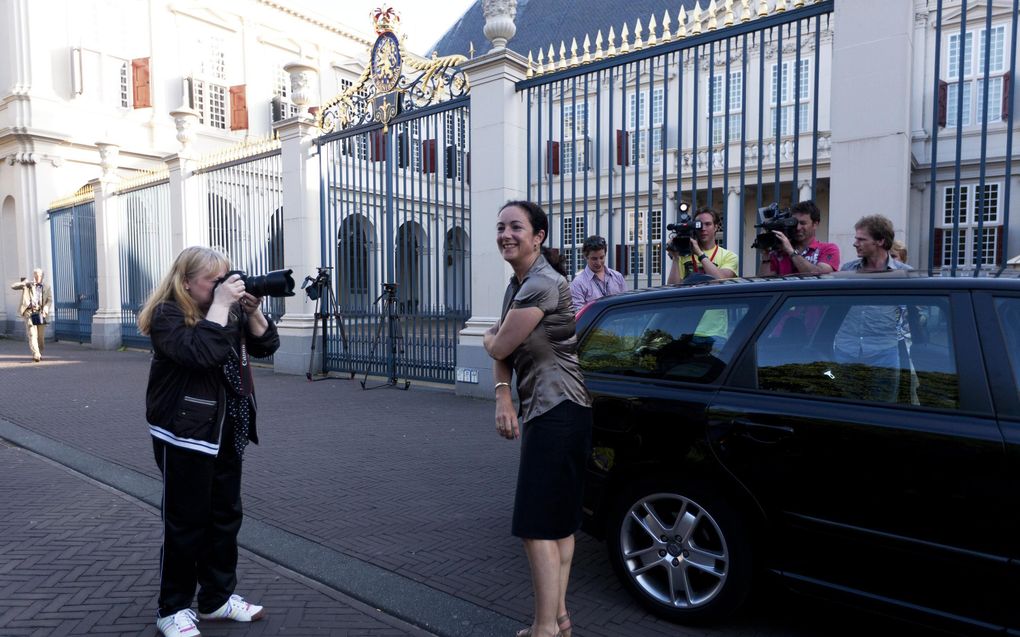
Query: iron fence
[396,210]
[145,251]
[732,119]
[75,276]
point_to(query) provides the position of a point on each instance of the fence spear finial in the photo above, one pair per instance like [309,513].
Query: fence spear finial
[696,18]
[611,51]
[666,35]
[729,18]
[531,66]
[586,58]
[713,21]
[681,27]
[552,59]
[745,10]
[763,9]
[652,26]
[574,60]
[780,6]
[599,53]
[541,66]
[563,56]
[624,39]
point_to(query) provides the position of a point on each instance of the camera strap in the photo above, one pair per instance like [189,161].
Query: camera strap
[603,287]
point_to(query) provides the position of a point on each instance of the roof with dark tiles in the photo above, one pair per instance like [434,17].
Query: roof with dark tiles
[544,22]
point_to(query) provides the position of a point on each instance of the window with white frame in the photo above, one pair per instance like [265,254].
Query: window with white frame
[455,136]
[971,77]
[103,78]
[639,127]
[717,107]
[282,90]
[968,240]
[575,231]
[793,97]
[645,243]
[576,143]
[209,86]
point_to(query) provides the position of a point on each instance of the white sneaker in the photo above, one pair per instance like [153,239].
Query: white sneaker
[180,624]
[236,609]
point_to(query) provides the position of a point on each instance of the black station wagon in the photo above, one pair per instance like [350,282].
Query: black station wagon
[856,436]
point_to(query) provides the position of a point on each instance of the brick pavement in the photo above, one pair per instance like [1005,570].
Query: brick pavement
[77,558]
[416,483]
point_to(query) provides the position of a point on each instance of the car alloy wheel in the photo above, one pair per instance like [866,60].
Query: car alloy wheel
[684,554]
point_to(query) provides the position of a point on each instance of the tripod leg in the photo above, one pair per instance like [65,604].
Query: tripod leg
[375,346]
[315,329]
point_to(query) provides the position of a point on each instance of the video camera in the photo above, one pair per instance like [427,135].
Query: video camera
[278,283]
[685,229]
[771,218]
[313,286]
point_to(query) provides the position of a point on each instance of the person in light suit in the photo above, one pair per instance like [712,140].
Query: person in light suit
[35,308]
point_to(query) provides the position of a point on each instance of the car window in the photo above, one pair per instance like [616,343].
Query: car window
[675,341]
[876,349]
[1008,310]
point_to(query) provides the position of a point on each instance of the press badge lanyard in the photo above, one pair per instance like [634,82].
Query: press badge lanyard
[603,287]
[694,262]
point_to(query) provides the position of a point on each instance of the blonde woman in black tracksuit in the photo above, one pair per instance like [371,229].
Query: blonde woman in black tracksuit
[200,405]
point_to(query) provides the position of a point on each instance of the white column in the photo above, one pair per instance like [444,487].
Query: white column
[732,228]
[870,135]
[498,143]
[106,329]
[188,225]
[302,246]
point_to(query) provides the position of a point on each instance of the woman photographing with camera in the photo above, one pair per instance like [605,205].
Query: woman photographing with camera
[200,404]
[535,339]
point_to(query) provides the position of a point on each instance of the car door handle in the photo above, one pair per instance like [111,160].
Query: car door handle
[761,432]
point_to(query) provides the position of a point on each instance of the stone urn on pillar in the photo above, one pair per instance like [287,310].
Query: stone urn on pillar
[185,120]
[302,82]
[108,153]
[499,21]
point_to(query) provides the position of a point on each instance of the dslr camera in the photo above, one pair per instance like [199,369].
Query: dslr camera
[685,229]
[771,218]
[315,285]
[278,283]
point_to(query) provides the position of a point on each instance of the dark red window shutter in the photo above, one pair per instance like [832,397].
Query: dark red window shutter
[623,259]
[552,158]
[428,156]
[238,108]
[937,248]
[943,102]
[998,245]
[622,148]
[450,161]
[377,140]
[141,83]
[1006,81]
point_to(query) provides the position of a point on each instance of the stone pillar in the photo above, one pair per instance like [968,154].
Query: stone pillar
[498,142]
[106,322]
[302,246]
[734,213]
[870,135]
[187,225]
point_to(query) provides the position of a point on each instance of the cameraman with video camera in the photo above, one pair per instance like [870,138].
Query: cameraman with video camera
[703,256]
[801,252]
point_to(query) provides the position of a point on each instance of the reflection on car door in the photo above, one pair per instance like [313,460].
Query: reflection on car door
[889,488]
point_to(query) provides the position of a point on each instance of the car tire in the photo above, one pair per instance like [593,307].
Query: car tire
[681,550]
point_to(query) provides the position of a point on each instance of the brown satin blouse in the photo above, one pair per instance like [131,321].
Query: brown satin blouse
[546,364]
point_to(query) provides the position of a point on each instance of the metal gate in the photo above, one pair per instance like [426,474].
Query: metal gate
[145,248]
[395,218]
[75,279]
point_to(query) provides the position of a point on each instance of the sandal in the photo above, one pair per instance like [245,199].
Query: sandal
[560,621]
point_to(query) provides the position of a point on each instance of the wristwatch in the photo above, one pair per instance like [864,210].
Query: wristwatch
[702,256]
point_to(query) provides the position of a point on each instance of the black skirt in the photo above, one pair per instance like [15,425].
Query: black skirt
[550,480]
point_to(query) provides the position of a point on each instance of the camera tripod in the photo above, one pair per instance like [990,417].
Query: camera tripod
[395,335]
[325,307]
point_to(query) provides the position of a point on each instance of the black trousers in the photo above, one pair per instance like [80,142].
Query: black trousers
[201,519]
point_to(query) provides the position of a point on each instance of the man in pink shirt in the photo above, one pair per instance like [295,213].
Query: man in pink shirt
[802,253]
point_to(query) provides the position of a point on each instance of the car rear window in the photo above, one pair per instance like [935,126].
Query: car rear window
[669,340]
[1008,310]
[878,349]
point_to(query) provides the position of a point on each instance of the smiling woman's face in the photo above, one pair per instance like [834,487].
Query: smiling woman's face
[515,236]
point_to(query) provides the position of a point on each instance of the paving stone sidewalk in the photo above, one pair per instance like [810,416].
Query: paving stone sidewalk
[77,558]
[411,489]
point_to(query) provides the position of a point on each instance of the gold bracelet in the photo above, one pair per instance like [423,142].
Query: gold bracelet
[501,384]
